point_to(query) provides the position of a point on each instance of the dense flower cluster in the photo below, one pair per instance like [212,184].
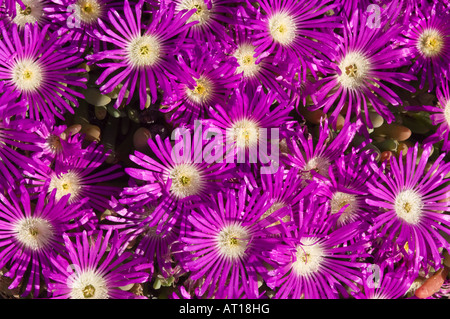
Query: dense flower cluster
[224,148]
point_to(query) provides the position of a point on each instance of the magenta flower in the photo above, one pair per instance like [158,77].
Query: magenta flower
[215,78]
[258,71]
[427,42]
[314,260]
[288,29]
[347,189]
[31,235]
[142,55]
[309,155]
[285,190]
[409,207]
[283,187]
[226,241]
[177,176]
[56,144]
[22,12]
[81,175]
[212,18]
[79,18]
[249,119]
[38,68]
[95,268]
[365,69]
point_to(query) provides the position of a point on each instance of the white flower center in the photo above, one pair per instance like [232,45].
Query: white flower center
[244,55]
[90,11]
[202,15]
[144,51]
[309,257]
[33,232]
[408,206]
[430,43]
[233,241]
[203,91]
[88,285]
[282,28]
[186,180]
[68,183]
[245,133]
[31,14]
[339,200]
[354,70]
[27,75]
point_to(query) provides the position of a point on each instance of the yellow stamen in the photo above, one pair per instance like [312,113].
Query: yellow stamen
[88,291]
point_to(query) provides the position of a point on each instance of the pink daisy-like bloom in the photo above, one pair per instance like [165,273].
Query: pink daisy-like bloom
[42,69]
[427,40]
[179,174]
[31,233]
[56,143]
[81,175]
[226,241]
[308,154]
[22,12]
[79,18]
[286,192]
[212,17]
[143,54]
[95,268]
[409,207]
[347,189]
[248,121]
[215,79]
[38,66]
[288,29]
[365,68]
[439,115]
[314,259]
